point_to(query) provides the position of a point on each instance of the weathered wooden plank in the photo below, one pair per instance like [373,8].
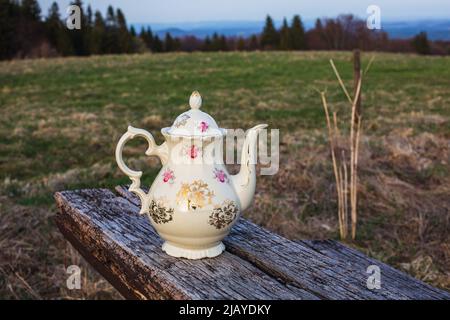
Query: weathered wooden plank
[125,249]
[389,276]
[327,276]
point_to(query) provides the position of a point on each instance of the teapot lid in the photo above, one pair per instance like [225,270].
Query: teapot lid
[194,123]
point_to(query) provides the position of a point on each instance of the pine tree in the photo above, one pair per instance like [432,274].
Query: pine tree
[150,37]
[112,32]
[215,42]
[207,44]
[98,34]
[254,42]
[223,46]
[110,17]
[421,44]
[270,36]
[79,37]
[241,46]
[89,16]
[9,18]
[298,34]
[132,31]
[168,43]
[143,36]
[56,32]
[146,36]
[125,44]
[176,44]
[285,36]
[31,10]
[157,45]
[88,30]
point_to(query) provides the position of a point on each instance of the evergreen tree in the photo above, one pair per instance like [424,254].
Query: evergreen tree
[157,45]
[318,25]
[270,36]
[176,44]
[149,37]
[215,42]
[421,44]
[80,41]
[240,46]
[285,36]
[111,17]
[207,44]
[56,32]
[146,36]
[132,31]
[98,34]
[88,30]
[223,46]
[89,16]
[143,36]
[125,44]
[31,9]
[112,32]
[9,18]
[169,44]
[298,34]
[254,43]
[30,28]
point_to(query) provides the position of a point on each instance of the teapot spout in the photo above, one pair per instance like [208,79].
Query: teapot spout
[244,182]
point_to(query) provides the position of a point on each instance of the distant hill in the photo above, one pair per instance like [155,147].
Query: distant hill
[436,29]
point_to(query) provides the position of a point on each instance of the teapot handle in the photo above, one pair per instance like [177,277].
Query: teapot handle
[135,176]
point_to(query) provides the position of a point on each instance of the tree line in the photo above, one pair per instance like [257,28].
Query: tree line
[26,32]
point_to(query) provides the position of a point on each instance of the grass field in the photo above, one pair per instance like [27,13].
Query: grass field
[61,119]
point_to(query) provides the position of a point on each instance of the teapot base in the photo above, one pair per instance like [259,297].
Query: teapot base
[193,254]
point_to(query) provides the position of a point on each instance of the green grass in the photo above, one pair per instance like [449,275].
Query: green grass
[239,89]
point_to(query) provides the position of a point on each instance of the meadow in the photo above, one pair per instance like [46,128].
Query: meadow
[61,119]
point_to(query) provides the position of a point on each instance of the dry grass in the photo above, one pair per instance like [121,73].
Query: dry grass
[403,221]
[29,241]
[346,179]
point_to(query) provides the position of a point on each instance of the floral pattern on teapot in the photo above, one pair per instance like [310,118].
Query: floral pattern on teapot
[168,176]
[195,194]
[223,214]
[203,126]
[159,213]
[220,175]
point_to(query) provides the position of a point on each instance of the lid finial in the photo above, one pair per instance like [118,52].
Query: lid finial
[195,101]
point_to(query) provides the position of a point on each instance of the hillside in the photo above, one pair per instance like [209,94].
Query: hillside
[61,119]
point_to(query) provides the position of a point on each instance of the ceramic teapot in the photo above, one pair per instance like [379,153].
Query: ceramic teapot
[194,201]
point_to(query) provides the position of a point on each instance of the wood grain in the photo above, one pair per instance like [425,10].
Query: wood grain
[258,264]
[125,249]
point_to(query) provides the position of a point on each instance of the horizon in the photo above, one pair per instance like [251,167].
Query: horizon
[204,11]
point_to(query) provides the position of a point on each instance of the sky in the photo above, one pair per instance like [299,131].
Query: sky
[176,11]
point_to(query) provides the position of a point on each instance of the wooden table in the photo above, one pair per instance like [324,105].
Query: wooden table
[123,246]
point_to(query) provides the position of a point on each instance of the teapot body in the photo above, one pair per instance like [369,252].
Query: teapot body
[193,203]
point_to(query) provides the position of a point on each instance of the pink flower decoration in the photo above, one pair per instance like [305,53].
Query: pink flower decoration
[168,176]
[220,175]
[203,126]
[193,152]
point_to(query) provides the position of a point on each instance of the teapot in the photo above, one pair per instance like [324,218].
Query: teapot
[193,201]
